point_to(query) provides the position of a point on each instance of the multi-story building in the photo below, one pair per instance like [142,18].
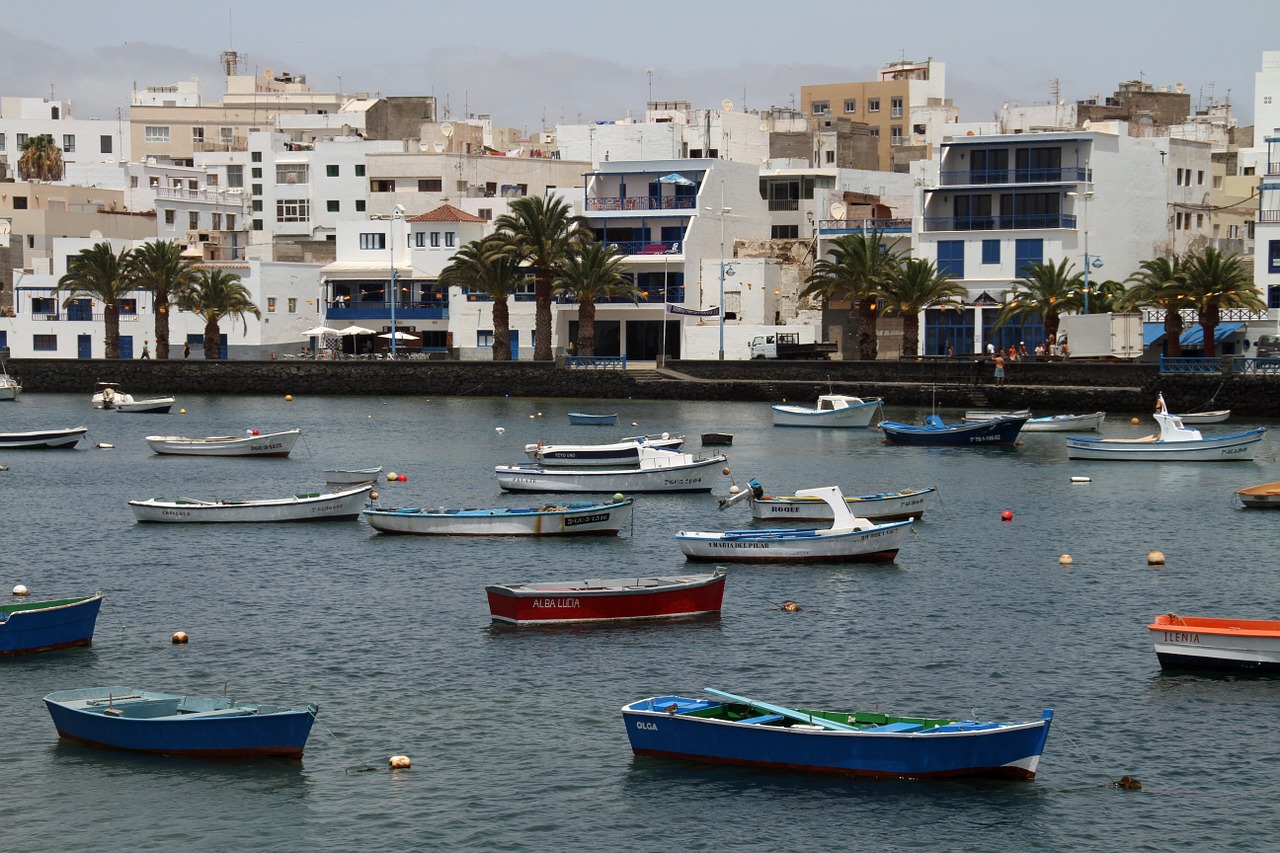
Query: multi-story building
[93,151]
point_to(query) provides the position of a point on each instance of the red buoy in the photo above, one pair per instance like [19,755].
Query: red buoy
[1006,516]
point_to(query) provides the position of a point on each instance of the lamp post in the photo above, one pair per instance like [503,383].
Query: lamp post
[397,213]
[663,349]
[722,210]
[1084,198]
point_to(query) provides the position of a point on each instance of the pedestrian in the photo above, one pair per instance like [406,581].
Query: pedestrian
[951,351]
[146,354]
[999,369]
[1013,353]
[186,350]
[1022,349]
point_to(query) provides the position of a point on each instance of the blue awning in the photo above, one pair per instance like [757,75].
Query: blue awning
[1194,336]
[1151,332]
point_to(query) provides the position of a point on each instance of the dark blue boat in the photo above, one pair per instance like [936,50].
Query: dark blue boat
[749,732]
[585,419]
[996,432]
[147,721]
[41,626]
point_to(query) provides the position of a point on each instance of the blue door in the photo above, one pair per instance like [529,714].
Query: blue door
[126,346]
[515,345]
[84,346]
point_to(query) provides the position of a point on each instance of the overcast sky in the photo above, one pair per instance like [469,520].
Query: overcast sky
[529,64]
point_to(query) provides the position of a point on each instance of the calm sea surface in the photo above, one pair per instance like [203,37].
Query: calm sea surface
[516,736]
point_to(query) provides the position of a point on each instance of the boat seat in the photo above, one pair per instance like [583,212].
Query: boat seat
[896,727]
[222,712]
[762,719]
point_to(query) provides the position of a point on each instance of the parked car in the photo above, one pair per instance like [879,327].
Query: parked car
[1268,346]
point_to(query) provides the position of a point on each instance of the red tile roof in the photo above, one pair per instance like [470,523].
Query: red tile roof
[446,213]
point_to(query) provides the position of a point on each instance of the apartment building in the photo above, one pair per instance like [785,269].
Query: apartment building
[93,150]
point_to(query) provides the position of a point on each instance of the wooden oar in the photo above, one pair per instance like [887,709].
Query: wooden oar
[789,713]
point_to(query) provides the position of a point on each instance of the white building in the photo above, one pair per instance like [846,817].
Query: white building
[94,151]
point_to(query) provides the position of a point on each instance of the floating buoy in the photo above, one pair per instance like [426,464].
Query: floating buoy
[499,430]
[182,411]
[1007,515]
[392,476]
[399,762]
[20,590]
[791,607]
[539,414]
[635,423]
[1155,558]
[288,398]
[403,478]
[373,496]
[531,417]
[733,490]
[1065,560]
[725,470]
[619,497]
[179,637]
[1129,783]
[253,432]
[1135,421]
[1081,480]
[103,446]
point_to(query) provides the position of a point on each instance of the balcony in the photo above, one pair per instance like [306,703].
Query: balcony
[646,247]
[986,177]
[382,311]
[839,227]
[1027,222]
[232,197]
[642,202]
[649,297]
[1269,215]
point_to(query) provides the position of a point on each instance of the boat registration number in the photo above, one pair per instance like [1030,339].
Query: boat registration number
[571,521]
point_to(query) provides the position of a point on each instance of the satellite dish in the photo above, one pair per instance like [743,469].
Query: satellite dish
[422,146]
[446,129]
[95,234]
[726,105]
[438,145]
[838,210]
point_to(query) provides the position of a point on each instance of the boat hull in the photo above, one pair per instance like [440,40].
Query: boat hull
[235,732]
[1206,417]
[584,419]
[877,545]
[1001,432]
[1239,447]
[979,415]
[854,416]
[156,406]
[343,505]
[572,520]
[9,388]
[354,477]
[886,506]
[697,476]
[625,452]
[53,439]
[42,626]
[1266,496]
[1006,751]
[1241,645]
[277,444]
[606,600]
[1066,423]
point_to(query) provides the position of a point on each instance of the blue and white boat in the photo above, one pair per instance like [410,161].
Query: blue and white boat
[659,471]
[40,626]
[572,518]
[997,432]
[585,419]
[173,724]
[740,730]
[832,410]
[625,451]
[1174,443]
[42,439]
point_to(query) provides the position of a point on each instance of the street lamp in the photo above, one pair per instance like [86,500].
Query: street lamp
[722,210]
[397,213]
[1084,198]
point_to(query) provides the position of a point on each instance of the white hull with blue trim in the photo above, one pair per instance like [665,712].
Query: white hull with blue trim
[832,410]
[1174,443]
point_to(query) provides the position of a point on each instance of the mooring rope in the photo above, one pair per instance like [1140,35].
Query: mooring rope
[1126,781]
[367,766]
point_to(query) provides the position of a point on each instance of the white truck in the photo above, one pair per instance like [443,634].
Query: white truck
[1102,335]
[787,345]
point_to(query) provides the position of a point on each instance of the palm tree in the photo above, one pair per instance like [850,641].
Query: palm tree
[158,267]
[99,274]
[1045,291]
[917,286]
[1215,280]
[592,272]
[858,270]
[217,294]
[41,159]
[484,266]
[1158,284]
[539,232]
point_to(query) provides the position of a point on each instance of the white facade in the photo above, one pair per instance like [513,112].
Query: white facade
[94,151]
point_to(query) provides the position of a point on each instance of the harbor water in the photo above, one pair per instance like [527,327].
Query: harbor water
[515,734]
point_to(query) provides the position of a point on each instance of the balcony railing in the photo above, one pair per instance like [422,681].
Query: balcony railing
[853,226]
[641,202]
[649,297]
[1027,222]
[646,247]
[1269,215]
[382,311]
[784,204]
[1069,174]
[79,317]
[236,198]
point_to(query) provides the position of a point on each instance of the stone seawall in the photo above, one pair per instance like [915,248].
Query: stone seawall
[1043,387]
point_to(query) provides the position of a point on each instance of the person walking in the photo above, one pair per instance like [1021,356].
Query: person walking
[186,350]
[999,359]
[145,353]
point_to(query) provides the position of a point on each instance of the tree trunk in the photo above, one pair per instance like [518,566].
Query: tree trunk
[910,334]
[586,327]
[111,320]
[162,324]
[542,317]
[212,339]
[867,343]
[501,330]
[1209,319]
[1173,332]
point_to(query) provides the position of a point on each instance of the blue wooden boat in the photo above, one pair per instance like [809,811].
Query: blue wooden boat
[585,419]
[740,730]
[997,432]
[41,626]
[172,724]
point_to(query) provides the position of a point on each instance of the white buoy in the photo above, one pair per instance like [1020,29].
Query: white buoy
[179,637]
[500,430]
[733,490]
[399,762]
[103,446]
[1065,560]
[619,497]
[1081,480]
[392,476]
[20,590]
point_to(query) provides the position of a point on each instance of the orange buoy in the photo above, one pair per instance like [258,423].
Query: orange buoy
[179,637]
[1065,560]
[1007,515]
[791,607]
[1155,558]
[1135,421]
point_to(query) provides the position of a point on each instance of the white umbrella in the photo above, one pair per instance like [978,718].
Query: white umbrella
[399,336]
[355,330]
[319,330]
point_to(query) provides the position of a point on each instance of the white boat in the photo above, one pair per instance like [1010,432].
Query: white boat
[579,518]
[975,416]
[1174,442]
[832,410]
[659,471]
[41,439]
[10,388]
[848,539]
[1215,417]
[623,452]
[1065,423]
[1206,642]
[266,444]
[152,406]
[351,476]
[337,505]
[885,506]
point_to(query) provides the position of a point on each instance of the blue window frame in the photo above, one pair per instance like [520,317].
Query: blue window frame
[1273,256]
[1026,253]
[991,251]
[944,329]
[951,258]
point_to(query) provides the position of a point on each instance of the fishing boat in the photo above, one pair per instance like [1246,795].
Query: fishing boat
[252,444]
[42,439]
[849,538]
[577,518]
[351,476]
[1266,496]
[659,471]
[173,724]
[626,451]
[1065,423]
[1215,417]
[606,600]
[998,432]
[10,388]
[739,730]
[1173,443]
[40,626]
[337,505]
[585,419]
[975,416]
[883,506]
[832,410]
[1198,642]
[151,406]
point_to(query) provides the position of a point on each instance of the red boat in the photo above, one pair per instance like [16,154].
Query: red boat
[606,600]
